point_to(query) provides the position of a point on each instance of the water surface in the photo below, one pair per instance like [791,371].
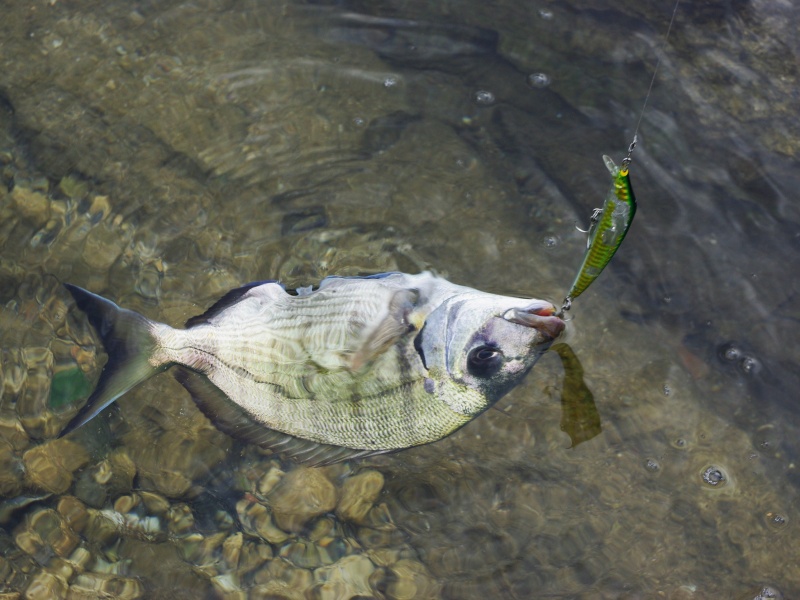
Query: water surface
[163,153]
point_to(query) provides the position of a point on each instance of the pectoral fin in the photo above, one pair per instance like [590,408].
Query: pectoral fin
[398,321]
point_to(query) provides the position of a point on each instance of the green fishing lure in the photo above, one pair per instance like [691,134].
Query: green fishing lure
[608,228]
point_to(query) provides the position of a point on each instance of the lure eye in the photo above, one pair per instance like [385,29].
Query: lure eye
[484,361]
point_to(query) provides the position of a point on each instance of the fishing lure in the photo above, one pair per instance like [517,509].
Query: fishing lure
[608,228]
[610,224]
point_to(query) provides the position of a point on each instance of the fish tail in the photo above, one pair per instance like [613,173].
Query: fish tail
[129,342]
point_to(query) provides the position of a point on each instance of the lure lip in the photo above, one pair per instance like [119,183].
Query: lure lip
[540,315]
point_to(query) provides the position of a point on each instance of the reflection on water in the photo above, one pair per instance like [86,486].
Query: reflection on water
[162,154]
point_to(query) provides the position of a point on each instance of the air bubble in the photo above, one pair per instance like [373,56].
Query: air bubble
[538,80]
[730,352]
[652,466]
[484,98]
[767,440]
[545,14]
[550,241]
[667,390]
[750,365]
[775,521]
[390,81]
[768,593]
[714,476]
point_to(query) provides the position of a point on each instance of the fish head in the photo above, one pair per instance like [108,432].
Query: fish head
[478,346]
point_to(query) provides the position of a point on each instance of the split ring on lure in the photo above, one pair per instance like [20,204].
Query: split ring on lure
[608,228]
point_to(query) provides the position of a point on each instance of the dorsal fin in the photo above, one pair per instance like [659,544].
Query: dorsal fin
[333,278]
[233,420]
[226,301]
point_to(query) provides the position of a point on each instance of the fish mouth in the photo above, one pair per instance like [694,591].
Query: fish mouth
[540,315]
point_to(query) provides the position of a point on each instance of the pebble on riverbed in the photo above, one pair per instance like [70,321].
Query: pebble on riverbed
[50,466]
[31,205]
[302,494]
[358,494]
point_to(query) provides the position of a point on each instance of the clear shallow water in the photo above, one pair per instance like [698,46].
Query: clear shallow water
[164,154]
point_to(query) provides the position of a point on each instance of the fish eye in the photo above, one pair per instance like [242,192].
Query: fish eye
[484,361]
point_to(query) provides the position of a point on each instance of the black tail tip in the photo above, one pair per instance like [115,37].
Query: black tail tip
[83,298]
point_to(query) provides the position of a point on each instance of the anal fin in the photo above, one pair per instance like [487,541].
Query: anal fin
[233,420]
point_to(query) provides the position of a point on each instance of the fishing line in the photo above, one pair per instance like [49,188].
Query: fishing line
[655,71]
[627,160]
[609,225]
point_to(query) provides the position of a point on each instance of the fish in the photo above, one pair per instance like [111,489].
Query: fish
[352,367]
[608,228]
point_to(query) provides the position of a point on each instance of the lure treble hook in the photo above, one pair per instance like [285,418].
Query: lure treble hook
[627,160]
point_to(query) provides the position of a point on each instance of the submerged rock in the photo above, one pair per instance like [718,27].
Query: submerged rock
[180,520]
[409,580]
[31,205]
[105,585]
[121,471]
[155,504]
[307,555]
[280,580]
[347,578]
[46,586]
[33,399]
[74,512]
[11,471]
[51,465]
[269,480]
[302,494]
[172,447]
[358,494]
[232,549]
[44,534]
[257,521]
[252,556]
[378,529]
[227,587]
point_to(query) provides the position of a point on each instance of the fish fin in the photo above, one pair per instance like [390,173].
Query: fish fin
[228,300]
[129,344]
[332,278]
[233,420]
[397,323]
[611,165]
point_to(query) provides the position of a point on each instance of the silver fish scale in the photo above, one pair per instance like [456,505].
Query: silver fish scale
[286,360]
